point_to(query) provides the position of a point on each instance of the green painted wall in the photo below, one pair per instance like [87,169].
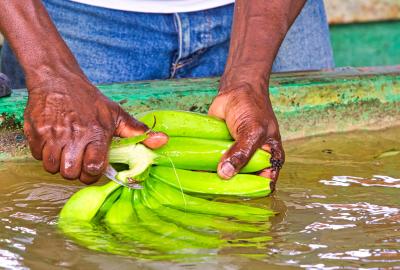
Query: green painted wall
[306,103]
[366,44]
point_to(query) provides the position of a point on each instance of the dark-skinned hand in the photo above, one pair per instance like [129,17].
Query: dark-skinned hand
[69,125]
[251,120]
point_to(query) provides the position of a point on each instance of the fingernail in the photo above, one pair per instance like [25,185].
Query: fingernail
[156,140]
[227,170]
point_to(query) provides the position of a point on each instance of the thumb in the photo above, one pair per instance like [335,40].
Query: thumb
[128,126]
[238,156]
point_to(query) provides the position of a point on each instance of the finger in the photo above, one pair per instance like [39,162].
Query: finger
[94,161]
[266,147]
[270,174]
[36,149]
[238,155]
[52,157]
[71,161]
[128,127]
[266,173]
[277,154]
[277,158]
[88,179]
[35,145]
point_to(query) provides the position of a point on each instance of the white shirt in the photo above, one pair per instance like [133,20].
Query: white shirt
[157,6]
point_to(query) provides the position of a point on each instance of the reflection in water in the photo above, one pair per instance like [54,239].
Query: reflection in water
[375,181]
[160,222]
[10,260]
[333,215]
[317,226]
[365,255]
[362,211]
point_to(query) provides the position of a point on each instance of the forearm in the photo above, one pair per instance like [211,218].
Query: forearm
[258,30]
[35,40]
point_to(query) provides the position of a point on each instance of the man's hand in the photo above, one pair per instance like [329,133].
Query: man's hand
[252,123]
[69,125]
[258,30]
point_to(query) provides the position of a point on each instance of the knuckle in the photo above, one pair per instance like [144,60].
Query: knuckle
[58,129]
[130,122]
[97,136]
[252,130]
[97,148]
[43,129]
[77,129]
[239,157]
[141,126]
[97,128]
[257,131]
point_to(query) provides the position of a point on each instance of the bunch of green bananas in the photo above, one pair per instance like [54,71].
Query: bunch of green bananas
[171,214]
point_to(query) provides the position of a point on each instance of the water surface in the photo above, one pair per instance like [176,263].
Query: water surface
[338,198]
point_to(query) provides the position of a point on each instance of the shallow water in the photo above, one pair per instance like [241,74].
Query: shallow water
[338,198]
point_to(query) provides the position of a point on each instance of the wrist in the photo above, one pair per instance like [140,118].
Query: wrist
[235,78]
[45,75]
[58,68]
[51,64]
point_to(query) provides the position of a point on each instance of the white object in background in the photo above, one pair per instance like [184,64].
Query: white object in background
[157,6]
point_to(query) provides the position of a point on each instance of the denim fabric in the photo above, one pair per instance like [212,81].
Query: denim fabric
[118,46]
[307,45]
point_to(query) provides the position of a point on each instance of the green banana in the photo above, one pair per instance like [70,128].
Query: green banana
[85,204]
[176,199]
[149,219]
[186,124]
[241,185]
[181,153]
[196,221]
[122,219]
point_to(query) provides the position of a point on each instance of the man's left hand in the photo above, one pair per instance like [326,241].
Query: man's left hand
[251,120]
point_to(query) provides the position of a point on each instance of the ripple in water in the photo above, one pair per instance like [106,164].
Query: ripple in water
[358,212]
[375,181]
[365,255]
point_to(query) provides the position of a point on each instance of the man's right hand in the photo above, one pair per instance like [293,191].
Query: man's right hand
[69,125]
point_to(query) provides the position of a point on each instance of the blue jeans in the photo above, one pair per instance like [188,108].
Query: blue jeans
[120,46]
